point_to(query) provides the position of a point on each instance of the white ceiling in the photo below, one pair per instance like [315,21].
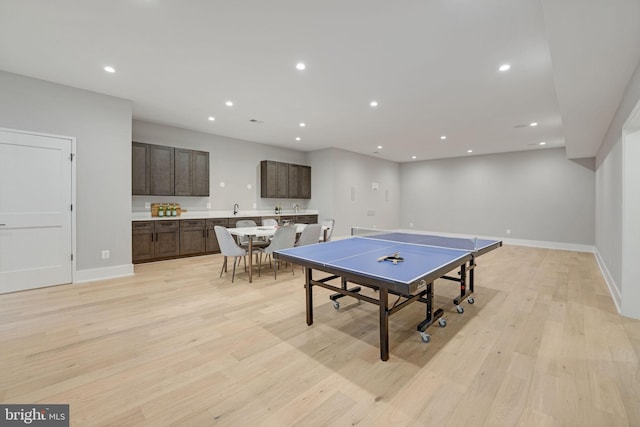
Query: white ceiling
[431,64]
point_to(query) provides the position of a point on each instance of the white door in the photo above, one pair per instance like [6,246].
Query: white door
[35,211]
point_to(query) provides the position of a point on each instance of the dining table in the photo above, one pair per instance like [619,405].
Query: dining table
[252,233]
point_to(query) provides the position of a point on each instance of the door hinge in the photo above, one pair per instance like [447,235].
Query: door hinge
[71,156]
[71,257]
[71,207]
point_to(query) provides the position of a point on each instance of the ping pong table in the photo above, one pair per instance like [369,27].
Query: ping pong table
[392,263]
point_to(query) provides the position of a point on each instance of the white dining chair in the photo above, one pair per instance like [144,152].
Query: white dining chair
[329,225]
[229,248]
[243,241]
[284,237]
[269,222]
[310,234]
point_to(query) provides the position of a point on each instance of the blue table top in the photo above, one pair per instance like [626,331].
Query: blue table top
[360,255]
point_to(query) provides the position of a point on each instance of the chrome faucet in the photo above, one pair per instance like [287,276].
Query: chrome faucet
[235,209]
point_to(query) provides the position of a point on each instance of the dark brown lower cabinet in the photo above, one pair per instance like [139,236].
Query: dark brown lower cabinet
[306,219]
[155,239]
[192,236]
[212,245]
[162,239]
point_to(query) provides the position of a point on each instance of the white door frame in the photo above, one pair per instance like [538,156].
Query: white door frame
[72,139]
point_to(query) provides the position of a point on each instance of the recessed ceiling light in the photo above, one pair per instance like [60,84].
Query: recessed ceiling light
[379,147]
[542,143]
[229,103]
[413,157]
[211,118]
[505,67]
[109,69]
[443,137]
[533,124]
[469,151]
[302,124]
[301,66]
[373,103]
[298,138]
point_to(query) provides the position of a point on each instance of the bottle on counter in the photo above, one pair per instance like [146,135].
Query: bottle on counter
[174,210]
[161,210]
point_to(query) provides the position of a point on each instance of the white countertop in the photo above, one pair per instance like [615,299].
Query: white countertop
[146,216]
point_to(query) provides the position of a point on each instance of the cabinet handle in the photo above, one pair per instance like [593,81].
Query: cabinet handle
[152,237]
[156,236]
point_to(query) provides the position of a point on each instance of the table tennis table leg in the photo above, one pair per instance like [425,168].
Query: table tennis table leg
[463,287]
[335,297]
[472,267]
[309,293]
[384,324]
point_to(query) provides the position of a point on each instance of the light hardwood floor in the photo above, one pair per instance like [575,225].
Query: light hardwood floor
[175,345]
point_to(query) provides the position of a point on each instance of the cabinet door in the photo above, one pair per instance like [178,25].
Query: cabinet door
[294,181]
[140,172]
[183,172]
[274,179]
[282,180]
[167,239]
[306,219]
[161,165]
[212,245]
[142,240]
[304,182]
[192,236]
[268,179]
[200,173]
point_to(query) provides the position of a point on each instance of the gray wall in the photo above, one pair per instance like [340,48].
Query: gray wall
[611,178]
[234,162]
[347,196]
[631,225]
[609,215]
[538,195]
[102,127]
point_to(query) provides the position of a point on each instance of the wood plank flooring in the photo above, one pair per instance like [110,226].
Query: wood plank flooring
[177,346]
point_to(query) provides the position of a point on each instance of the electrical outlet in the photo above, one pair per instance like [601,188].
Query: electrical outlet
[508,232]
[410,224]
[208,205]
[106,254]
[147,205]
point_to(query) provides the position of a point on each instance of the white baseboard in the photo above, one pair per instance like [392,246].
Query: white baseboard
[611,284]
[82,276]
[548,245]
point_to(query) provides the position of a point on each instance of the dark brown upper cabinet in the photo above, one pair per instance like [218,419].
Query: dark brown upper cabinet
[191,172]
[280,180]
[167,171]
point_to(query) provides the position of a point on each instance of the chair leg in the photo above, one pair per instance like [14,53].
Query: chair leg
[233,275]
[259,256]
[224,266]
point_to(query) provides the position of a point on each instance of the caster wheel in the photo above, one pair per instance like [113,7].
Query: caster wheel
[425,337]
[336,305]
[442,322]
[460,309]
[470,300]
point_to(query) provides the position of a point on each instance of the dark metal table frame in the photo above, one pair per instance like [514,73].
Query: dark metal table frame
[420,290]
